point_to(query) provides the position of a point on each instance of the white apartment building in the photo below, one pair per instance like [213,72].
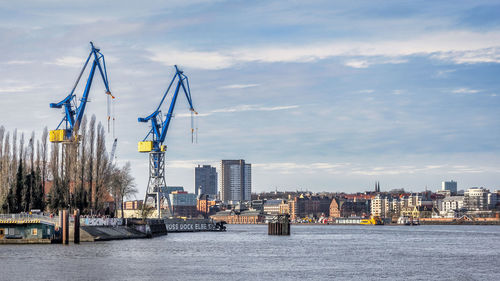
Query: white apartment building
[479,199]
[380,206]
[450,205]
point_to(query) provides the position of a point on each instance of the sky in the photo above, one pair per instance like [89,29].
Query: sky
[316,95]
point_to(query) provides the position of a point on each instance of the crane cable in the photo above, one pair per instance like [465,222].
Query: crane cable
[192,128]
[111,114]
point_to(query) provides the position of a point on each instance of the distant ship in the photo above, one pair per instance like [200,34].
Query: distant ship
[373,220]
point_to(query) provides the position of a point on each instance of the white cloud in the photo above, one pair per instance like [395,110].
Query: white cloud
[15,89]
[239,86]
[249,107]
[367,91]
[357,64]
[354,169]
[19,62]
[465,91]
[456,46]
[69,61]
[193,59]
[444,73]
[241,108]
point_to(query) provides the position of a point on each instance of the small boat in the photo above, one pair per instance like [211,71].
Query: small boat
[373,220]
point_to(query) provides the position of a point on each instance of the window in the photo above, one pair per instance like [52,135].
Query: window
[1,231]
[34,231]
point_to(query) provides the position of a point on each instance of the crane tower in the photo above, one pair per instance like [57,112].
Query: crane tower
[154,141]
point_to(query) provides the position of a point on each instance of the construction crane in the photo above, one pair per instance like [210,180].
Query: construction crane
[154,141]
[73,112]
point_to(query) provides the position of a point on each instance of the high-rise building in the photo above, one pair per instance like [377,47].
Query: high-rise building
[236,180]
[449,185]
[205,180]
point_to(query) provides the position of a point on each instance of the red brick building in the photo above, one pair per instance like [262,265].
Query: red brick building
[234,217]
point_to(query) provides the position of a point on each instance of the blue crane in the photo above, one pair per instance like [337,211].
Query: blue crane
[159,126]
[153,142]
[74,112]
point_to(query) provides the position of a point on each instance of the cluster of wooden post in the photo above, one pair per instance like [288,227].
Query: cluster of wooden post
[64,226]
[279,227]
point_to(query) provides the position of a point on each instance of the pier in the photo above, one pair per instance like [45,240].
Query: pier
[280,225]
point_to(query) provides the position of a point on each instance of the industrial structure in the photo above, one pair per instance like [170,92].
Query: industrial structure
[154,141]
[74,111]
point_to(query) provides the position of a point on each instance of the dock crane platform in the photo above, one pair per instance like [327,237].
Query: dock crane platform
[73,112]
[154,141]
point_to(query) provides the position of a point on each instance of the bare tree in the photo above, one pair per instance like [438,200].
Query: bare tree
[13,162]
[80,193]
[29,182]
[6,165]
[3,188]
[90,166]
[22,152]
[57,199]
[124,185]
[2,131]
[101,167]
[44,157]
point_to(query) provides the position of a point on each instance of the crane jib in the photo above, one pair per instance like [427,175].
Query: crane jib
[159,127]
[74,112]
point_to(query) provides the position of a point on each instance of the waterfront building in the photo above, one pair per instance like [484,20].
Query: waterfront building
[479,199]
[334,209]
[444,193]
[239,217]
[417,212]
[276,207]
[258,205]
[132,205]
[354,207]
[308,206]
[204,205]
[236,180]
[449,206]
[395,207]
[183,204]
[284,208]
[205,180]
[25,230]
[380,206]
[449,185]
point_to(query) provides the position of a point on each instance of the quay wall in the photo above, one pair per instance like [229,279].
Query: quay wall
[189,225]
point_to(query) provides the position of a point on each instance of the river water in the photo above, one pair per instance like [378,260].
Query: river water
[246,252]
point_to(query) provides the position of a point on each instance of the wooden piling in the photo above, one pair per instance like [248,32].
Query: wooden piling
[76,232]
[65,227]
[279,226]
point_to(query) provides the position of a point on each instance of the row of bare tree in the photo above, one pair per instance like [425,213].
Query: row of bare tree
[76,175]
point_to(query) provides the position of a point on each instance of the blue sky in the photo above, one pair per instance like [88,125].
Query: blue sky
[317,95]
